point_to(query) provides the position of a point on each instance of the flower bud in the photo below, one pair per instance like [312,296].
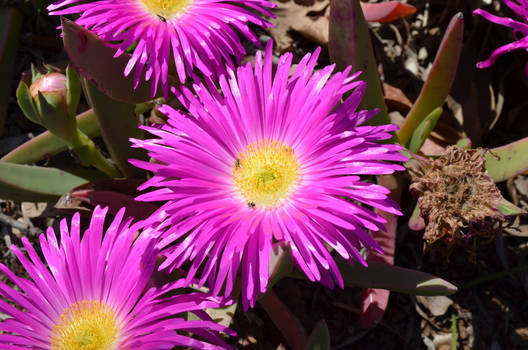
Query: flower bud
[52,101]
[52,86]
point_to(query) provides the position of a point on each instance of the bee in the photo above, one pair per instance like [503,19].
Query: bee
[288,149]
[161,18]
[252,205]
[237,163]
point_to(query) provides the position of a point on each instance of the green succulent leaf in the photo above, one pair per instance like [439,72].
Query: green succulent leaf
[25,102]
[73,87]
[320,337]
[55,118]
[47,145]
[509,209]
[349,45]
[508,161]
[440,78]
[395,278]
[35,74]
[421,133]
[381,275]
[464,143]
[95,61]
[38,184]
[416,222]
[118,122]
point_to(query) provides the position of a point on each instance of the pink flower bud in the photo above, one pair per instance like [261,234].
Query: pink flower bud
[52,86]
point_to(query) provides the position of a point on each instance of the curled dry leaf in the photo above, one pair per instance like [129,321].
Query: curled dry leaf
[306,18]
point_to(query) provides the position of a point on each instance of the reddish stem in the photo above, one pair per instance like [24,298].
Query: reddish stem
[284,320]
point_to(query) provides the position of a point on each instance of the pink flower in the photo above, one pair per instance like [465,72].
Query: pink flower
[93,294]
[195,33]
[520,29]
[274,158]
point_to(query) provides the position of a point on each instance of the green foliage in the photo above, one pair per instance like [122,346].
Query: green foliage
[38,184]
[320,337]
[349,45]
[95,61]
[439,81]
[508,161]
[421,133]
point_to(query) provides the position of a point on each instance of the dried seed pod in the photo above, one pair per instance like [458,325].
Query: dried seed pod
[457,197]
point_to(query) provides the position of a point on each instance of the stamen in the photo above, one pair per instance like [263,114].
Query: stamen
[85,325]
[165,9]
[266,173]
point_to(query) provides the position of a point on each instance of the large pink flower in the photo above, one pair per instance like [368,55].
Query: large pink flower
[94,294]
[275,157]
[192,33]
[520,29]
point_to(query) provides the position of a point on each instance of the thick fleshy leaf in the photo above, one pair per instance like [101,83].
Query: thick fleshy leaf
[118,123]
[10,24]
[510,209]
[464,143]
[73,88]
[508,161]
[47,145]
[440,78]
[349,45]
[111,193]
[26,104]
[375,301]
[38,184]
[380,275]
[386,11]
[285,321]
[95,61]
[319,338]
[421,133]
[395,278]
[416,222]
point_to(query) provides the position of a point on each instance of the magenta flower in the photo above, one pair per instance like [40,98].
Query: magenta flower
[93,295]
[195,33]
[273,158]
[520,29]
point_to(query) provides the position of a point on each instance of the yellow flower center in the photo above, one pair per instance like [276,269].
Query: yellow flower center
[266,173]
[85,325]
[165,9]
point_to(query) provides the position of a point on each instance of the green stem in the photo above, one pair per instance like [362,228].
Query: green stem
[85,149]
[47,144]
[454,333]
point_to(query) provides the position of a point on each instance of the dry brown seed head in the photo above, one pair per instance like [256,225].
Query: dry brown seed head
[457,197]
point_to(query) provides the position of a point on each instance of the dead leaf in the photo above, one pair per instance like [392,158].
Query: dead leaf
[436,305]
[395,99]
[310,19]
